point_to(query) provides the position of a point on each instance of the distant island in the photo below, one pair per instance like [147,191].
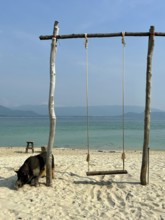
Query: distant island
[42,111]
[8,112]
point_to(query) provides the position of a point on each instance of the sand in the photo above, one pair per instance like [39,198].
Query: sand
[76,196]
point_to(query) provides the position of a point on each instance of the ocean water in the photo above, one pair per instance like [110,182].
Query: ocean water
[105,133]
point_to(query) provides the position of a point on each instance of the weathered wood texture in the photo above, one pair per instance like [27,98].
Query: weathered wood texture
[145,156]
[103,35]
[110,172]
[52,115]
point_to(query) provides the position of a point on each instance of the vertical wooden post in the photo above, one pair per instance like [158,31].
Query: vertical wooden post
[52,115]
[145,156]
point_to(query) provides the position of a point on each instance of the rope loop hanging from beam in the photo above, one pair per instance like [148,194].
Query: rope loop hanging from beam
[86,41]
[123,156]
[87,102]
[123,39]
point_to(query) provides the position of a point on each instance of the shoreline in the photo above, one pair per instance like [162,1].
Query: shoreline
[78,148]
[74,195]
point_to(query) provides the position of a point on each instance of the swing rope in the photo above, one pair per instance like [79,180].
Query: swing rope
[123,156]
[87,102]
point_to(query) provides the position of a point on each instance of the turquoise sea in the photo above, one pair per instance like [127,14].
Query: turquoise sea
[104,132]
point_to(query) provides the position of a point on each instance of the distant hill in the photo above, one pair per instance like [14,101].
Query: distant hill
[7,112]
[116,110]
[81,110]
[131,112]
[39,109]
[154,115]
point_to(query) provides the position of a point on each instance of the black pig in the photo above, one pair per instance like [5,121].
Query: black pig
[32,169]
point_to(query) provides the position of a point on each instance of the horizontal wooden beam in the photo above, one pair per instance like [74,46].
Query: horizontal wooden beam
[95,173]
[102,35]
[159,34]
[97,35]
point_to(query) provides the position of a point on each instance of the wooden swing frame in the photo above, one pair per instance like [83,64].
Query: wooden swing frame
[151,34]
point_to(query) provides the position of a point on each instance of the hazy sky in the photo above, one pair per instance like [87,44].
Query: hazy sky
[24,59]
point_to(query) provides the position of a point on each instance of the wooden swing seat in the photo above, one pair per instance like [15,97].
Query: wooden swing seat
[111,172]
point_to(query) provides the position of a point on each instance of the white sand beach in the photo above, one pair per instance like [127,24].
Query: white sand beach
[76,196]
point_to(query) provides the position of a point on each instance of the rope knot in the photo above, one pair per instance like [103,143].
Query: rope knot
[86,41]
[123,40]
[123,156]
[88,158]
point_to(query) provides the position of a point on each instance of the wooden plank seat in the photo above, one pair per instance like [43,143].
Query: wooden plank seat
[110,172]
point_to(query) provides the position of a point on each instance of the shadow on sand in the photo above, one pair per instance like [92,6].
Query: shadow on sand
[8,182]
